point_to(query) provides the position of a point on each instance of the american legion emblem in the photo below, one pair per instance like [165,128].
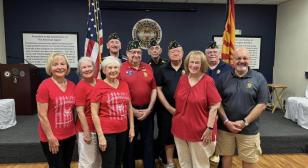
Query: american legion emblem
[249,84]
[145,30]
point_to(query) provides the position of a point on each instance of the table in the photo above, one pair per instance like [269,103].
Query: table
[276,95]
[297,110]
[7,113]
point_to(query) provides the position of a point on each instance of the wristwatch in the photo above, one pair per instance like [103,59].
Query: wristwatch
[245,122]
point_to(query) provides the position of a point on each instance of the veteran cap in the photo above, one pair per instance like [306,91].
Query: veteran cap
[134,44]
[212,44]
[173,44]
[153,42]
[113,35]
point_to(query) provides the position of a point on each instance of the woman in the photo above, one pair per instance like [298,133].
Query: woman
[194,122]
[55,103]
[87,143]
[111,111]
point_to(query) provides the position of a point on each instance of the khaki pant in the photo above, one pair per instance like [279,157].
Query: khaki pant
[194,154]
[248,146]
[89,155]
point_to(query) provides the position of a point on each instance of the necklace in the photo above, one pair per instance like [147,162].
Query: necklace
[61,85]
[60,82]
[114,83]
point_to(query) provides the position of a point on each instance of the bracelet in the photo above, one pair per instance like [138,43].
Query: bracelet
[226,120]
[210,128]
[100,135]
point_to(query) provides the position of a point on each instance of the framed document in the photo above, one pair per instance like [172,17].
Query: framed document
[252,43]
[38,46]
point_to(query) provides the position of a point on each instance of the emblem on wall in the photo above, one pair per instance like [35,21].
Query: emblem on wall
[145,30]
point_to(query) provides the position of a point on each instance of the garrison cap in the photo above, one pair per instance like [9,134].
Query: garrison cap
[113,35]
[173,44]
[212,44]
[153,42]
[134,44]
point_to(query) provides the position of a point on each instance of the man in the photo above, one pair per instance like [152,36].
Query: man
[114,46]
[216,65]
[156,62]
[216,68]
[244,95]
[167,81]
[142,86]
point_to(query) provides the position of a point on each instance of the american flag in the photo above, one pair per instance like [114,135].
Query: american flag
[228,45]
[94,39]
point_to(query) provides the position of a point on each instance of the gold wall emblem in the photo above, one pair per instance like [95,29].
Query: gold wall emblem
[145,30]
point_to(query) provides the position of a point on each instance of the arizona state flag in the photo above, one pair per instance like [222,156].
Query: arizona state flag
[228,38]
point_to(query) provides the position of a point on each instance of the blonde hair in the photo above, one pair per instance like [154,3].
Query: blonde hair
[82,60]
[204,63]
[51,59]
[110,60]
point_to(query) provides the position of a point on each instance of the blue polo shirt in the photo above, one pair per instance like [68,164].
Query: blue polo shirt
[220,69]
[240,95]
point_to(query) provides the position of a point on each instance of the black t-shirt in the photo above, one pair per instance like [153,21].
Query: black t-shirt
[168,79]
[156,66]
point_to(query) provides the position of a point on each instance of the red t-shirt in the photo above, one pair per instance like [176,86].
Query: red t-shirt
[83,98]
[113,110]
[60,109]
[141,82]
[192,108]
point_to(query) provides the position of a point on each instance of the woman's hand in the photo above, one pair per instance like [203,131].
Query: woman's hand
[53,144]
[131,134]
[171,110]
[87,137]
[207,136]
[102,142]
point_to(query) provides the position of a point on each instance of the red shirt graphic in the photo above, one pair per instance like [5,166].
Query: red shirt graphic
[60,109]
[113,110]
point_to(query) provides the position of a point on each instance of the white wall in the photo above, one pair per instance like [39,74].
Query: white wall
[291,51]
[2,35]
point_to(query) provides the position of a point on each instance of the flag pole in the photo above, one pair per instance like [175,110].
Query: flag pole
[227,10]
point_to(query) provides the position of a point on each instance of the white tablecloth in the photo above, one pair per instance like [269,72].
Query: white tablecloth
[7,113]
[297,110]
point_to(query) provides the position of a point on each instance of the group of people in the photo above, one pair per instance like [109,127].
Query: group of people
[203,107]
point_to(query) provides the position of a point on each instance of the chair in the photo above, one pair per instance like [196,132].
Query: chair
[277,91]
[297,110]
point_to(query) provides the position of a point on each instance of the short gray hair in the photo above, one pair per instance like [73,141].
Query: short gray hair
[82,60]
[110,60]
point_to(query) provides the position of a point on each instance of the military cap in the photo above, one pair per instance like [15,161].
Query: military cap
[153,42]
[173,44]
[134,44]
[212,44]
[113,36]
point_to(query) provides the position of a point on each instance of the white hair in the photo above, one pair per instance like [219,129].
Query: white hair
[110,60]
[82,60]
